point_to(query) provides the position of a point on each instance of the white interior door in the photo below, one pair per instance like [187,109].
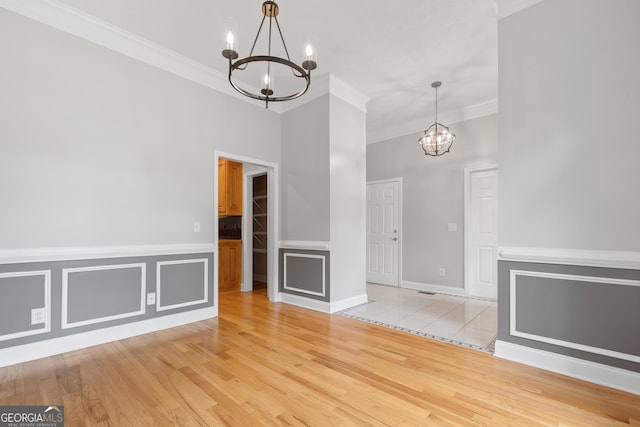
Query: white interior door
[482,238]
[383,236]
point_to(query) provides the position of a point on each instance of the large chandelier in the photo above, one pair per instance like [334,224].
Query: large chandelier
[437,139]
[267,92]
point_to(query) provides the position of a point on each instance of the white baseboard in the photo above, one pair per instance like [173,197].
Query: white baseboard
[597,373]
[347,303]
[439,289]
[323,306]
[40,349]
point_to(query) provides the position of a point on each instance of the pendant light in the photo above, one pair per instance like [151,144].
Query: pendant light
[437,139]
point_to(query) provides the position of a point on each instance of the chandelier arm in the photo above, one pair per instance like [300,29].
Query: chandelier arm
[282,38]
[257,35]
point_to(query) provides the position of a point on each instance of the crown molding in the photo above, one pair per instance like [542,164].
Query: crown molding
[510,7]
[78,23]
[328,83]
[415,126]
[347,93]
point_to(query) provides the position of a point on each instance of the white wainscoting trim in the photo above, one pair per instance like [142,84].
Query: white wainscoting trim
[588,258]
[597,373]
[40,349]
[439,289]
[304,291]
[567,344]
[323,306]
[510,7]
[47,303]
[65,294]
[159,306]
[20,256]
[305,245]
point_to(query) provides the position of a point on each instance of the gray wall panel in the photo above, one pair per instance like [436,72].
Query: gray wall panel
[182,283]
[305,273]
[102,293]
[117,301]
[599,315]
[576,311]
[18,296]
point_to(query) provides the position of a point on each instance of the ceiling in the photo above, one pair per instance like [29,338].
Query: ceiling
[388,51]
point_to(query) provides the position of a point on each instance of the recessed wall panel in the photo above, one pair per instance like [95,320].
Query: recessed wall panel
[306,273]
[20,293]
[101,293]
[181,283]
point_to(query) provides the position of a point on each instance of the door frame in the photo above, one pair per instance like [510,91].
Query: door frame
[467,215]
[400,228]
[273,179]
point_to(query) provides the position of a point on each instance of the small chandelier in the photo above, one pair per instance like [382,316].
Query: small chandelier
[436,140]
[269,10]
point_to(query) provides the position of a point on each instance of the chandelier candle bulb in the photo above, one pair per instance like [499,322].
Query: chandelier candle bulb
[230,40]
[266,85]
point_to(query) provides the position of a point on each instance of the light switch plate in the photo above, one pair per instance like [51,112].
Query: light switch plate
[151,298]
[196,226]
[452,226]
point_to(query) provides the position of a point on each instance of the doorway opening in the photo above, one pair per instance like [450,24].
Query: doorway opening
[263,176]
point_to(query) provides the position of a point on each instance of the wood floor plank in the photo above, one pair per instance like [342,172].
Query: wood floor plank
[265,364]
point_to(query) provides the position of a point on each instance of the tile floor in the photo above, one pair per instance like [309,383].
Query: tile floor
[465,321]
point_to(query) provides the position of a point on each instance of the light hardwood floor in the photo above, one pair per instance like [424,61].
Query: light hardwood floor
[276,364]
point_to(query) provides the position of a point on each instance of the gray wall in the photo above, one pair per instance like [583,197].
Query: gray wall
[348,200]
[305,172]
[568,130]
[433,196]
[569,103]
[99,149]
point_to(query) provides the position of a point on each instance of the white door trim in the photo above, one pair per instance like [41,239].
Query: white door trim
[273,221]
[467,215]
[399,181]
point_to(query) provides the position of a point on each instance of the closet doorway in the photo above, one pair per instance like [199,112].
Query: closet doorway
[258,213]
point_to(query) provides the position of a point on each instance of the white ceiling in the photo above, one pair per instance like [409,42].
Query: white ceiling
[388,51]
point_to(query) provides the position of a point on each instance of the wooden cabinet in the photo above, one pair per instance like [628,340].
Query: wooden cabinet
[229,187]
[229,265]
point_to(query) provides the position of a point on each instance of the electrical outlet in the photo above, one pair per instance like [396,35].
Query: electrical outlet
[196,226]
[151,298]
[441,272]
[38,315]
